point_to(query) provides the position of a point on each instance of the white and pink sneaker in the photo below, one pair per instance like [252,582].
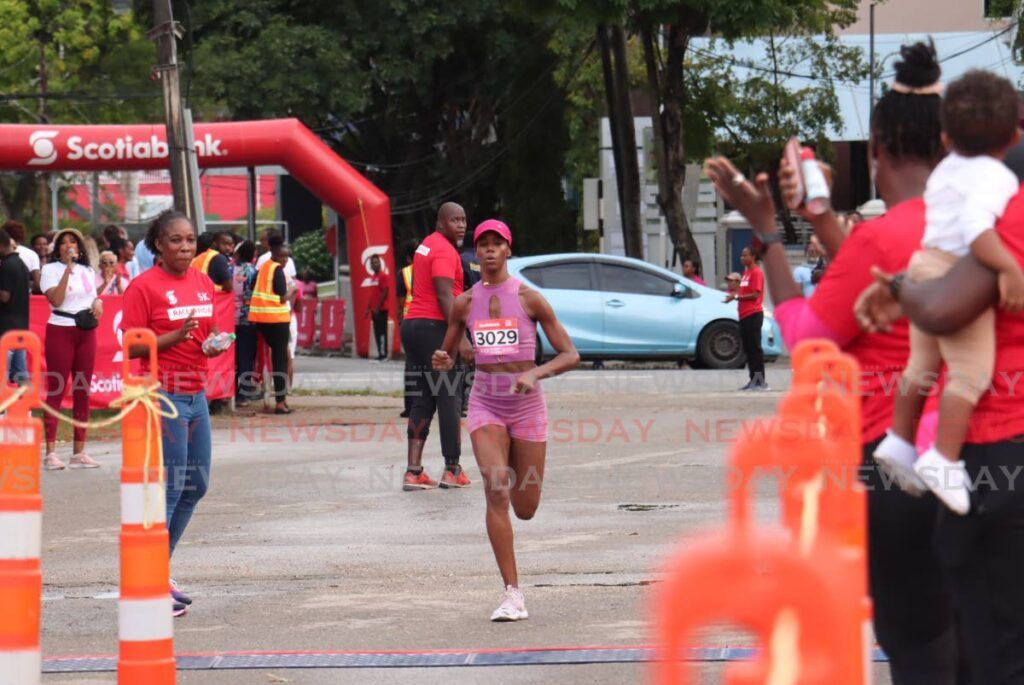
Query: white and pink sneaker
[83,461]
[513,606]
[51,462]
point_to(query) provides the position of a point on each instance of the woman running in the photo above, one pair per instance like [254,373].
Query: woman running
[508,417]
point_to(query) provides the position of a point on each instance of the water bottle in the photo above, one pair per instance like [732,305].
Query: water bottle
[818,199]
[218,342]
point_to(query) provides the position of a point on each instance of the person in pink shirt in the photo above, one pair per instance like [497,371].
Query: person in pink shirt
[691,271]
[508,416]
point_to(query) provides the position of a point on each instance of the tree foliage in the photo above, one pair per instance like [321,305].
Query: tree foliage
[432,101]
[69,62]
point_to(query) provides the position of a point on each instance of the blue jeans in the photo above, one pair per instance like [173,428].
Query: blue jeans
[187,449]
[17,366]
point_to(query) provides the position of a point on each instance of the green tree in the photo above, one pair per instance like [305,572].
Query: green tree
[68,62]
[310,254]
[759,106]
[427,99]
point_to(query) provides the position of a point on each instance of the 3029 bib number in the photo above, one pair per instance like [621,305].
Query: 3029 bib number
[496,336]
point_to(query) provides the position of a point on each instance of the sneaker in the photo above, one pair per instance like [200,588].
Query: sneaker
[895,457]
[513,606]
[178,595]
[53,463]
[450,480]
[418,481]
[949,480]
[748,386]
[404,414]
[178,609]
[83,461]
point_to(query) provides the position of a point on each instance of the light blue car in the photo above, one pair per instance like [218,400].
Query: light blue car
[623,308]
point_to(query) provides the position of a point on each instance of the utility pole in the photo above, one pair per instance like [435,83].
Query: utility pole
[871,82]
[165,33]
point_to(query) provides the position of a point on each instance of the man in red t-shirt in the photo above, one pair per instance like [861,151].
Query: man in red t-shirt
[377,308]
[751,313]
[436,282]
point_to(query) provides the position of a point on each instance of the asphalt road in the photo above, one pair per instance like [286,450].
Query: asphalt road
[305,541]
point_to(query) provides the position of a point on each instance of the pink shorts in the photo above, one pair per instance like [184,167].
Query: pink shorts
[491,402]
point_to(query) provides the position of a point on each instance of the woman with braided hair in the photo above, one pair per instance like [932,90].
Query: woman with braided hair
[913,607]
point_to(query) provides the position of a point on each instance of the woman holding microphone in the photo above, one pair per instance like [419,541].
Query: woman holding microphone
[69,284]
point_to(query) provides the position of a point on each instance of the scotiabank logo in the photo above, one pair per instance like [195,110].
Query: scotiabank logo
[368,254]
[43,148]
[120,148]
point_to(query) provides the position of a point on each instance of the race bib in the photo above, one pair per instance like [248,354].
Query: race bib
[496,336]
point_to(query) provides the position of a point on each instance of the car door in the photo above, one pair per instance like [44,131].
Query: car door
[645,313]
[570,287]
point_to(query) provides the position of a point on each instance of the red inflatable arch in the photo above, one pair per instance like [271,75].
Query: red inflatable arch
[285,142]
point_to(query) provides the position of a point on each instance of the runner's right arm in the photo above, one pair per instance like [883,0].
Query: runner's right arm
[444,358]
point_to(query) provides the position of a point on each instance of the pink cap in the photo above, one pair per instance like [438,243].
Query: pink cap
[498,227]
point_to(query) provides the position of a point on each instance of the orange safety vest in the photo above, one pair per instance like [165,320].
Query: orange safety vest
[407,279]
[266,306]
[202,262]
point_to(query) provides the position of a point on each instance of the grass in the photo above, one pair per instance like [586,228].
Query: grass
[344,392]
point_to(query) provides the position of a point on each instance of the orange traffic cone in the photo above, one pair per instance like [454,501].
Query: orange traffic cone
[145,622]
[21,508]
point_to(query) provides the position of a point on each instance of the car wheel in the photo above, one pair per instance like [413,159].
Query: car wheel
[720,346]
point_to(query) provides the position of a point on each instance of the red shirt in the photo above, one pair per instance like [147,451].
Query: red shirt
[752,282]
[886,242]
[378,299]
[161,302]
[999,413]
[435,258]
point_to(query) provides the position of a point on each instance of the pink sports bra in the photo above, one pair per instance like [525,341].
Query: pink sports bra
[510,338]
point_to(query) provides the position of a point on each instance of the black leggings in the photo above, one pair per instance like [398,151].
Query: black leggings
[245,361]
[380,333]
[913,602]
[276,336]
[431,390]
[750,334]
[983,553]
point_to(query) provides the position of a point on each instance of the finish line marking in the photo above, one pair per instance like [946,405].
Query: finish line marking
[539,656]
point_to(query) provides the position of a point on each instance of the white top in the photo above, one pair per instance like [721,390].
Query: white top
[29,257]
[80,293]
[965,196]
[289,268]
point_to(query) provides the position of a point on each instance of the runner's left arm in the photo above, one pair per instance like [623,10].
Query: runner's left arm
[541,312]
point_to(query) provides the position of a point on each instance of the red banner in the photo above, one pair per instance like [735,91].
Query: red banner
[332,324]
[366,210]
[106,376]
[306,322]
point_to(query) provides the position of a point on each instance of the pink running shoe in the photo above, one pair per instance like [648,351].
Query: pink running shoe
[513,607]
[83,461]
[51,462]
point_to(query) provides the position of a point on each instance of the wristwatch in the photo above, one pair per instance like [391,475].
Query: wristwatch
[767,239]
[896,284]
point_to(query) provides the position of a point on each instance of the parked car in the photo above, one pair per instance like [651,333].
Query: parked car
[623,308]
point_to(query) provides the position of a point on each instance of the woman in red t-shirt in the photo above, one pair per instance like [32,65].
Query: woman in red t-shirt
[913,606]
[983,551]
[176,303]
[750,297]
